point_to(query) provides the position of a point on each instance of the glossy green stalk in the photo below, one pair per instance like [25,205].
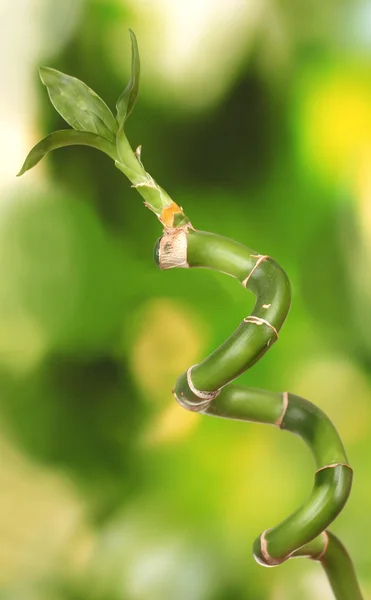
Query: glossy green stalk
[337,564]
[340,570]
[332,484]
[205,388]
[272,288]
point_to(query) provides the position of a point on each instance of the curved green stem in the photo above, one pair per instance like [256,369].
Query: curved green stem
[205,388]
[333,477]
[273,297]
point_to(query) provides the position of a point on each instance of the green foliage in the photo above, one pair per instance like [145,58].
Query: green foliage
[92,121]
[80,107]
[67,137]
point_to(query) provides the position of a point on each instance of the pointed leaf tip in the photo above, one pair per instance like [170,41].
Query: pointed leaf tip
[44,74]
[128,98]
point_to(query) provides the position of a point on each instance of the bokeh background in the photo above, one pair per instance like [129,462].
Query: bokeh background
[255,115]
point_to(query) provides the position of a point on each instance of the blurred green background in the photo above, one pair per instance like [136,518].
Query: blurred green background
[255,115]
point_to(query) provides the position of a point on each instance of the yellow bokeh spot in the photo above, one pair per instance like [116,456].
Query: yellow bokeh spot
[335,121]
[174,424]
[169,340]
[22,344]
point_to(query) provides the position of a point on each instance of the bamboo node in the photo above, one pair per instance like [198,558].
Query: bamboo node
[191,406]
[210,395]
[320,556]
[285,403]
[172,250]
[269,560]
[259,321]
[333,465]
[149,184]
[258,262]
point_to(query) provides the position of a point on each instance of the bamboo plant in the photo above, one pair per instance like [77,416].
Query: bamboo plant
[206,387]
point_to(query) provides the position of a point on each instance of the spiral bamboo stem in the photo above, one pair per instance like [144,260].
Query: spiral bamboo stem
[206,387]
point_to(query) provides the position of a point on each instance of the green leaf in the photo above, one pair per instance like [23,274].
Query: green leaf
[126,101]
[67,137]
[82,108]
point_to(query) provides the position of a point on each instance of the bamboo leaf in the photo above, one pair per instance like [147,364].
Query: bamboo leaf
[126,101]
[67,137]
[79,105]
